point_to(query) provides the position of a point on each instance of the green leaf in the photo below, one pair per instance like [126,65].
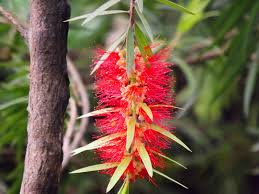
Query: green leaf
[187,21]
[13,102]
[125,187]
[175,6]
[114,45]
[169,135]
[170,159]
[100,10]
[143,43]
[140,5]
[118,172]
[97,143]
[131,122]
[96,167]
[250,84]
[130,51]
[146,25]
[169,178]
[98,112]
[145,158]
[85,16]
[147,110]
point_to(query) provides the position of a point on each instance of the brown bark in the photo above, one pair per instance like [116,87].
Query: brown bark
[48,97]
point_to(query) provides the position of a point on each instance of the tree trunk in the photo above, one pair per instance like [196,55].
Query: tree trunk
[48,97]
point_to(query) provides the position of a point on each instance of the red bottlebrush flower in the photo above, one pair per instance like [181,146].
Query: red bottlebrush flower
[134,110]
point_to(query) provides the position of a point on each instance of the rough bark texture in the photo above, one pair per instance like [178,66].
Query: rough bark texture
[48,97]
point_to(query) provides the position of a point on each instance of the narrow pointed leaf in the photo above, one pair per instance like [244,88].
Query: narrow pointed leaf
[169,178]
[98,112]
[125,187]
[175,6]
[147,110]
[143,43]
[169,135]
[249,88]
[118,172]
[170,159]
[97,143]
[131,122]
[166,106]
[99,10]
[140,5]
[145,159]
[146,25]
[114,45]
[96,167]
[109,12]
[130,51]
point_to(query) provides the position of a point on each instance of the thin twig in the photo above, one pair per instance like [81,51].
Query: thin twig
[70,125]
[22,29]
[76,78]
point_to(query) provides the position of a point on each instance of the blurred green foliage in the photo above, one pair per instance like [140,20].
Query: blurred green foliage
[216,71]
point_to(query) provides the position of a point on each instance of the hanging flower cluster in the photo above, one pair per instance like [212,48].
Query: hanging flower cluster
[133,111]
[136,103]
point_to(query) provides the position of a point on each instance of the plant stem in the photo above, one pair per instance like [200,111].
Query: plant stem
[132,12]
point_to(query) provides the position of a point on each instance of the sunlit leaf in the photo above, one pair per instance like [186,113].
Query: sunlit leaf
[175,6]
[140,5]
[131,122]
[169,135]
[96,167]
[145,158]
[187,21]
[98,112]
[169,178]
[147,110]
[146,25]
[114,45]
[97,143]
[109,12]
[118,172]
[125,187]
[100,10]
[130,51]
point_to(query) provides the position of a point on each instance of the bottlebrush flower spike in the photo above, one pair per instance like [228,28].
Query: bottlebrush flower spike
[133,112]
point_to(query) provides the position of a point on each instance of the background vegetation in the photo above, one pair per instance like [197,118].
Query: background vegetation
[216,71]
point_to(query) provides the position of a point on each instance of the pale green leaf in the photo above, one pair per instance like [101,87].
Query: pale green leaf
[96,167]
[249,87]
[130,51]
[140,5]
[175,6]
[145,158]
[98,112]
[147,110]
[13,102]
[131,122]
[99,10]
[109,12]
[187,21]
[169,135]
[146,25]
[114,45]
[169,178]
[97,143]
[170,159]
[125,187]
[118,172]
